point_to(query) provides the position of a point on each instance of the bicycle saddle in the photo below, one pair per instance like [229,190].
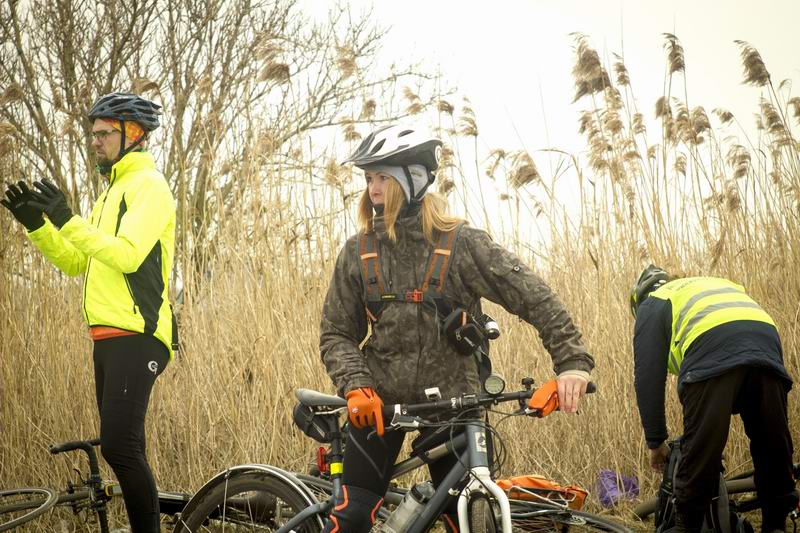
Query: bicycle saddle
[313,398]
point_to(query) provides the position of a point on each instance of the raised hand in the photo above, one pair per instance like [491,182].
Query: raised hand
[17,201]
[49,198]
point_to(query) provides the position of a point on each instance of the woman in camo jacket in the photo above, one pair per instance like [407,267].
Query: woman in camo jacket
[407,350]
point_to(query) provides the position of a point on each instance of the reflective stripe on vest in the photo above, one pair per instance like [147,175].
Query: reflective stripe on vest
[700,304]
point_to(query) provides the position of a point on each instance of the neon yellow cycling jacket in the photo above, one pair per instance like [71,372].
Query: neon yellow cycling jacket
[125,250]
[701,304]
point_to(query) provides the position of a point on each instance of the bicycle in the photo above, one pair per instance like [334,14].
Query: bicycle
[741,495]
[267,498]
[90,494]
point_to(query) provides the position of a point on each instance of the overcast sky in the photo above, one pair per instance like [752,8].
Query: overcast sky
[514,58]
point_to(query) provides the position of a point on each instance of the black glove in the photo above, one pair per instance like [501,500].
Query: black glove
[18,197]
[52,201]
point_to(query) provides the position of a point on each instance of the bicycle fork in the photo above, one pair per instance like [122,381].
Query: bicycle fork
[481,481]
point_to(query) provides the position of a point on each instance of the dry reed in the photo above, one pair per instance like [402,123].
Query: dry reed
[250,309]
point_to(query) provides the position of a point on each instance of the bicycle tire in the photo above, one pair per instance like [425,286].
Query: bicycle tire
[481,514]
[30,501]
[252,500]
[733,486]
[532,517]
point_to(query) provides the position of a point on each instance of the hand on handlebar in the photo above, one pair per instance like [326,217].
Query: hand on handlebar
[544,399]
[563,393]
[364,408]
[571,386]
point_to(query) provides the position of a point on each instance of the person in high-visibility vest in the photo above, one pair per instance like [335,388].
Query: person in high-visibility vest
[727,355]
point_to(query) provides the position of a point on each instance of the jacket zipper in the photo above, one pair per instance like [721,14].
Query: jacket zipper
[130,291]
[89,262]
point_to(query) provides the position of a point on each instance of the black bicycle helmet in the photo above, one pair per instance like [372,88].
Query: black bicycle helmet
[650,279]
[397,146]
[127,106]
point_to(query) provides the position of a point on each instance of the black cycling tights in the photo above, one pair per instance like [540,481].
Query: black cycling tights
[125,369]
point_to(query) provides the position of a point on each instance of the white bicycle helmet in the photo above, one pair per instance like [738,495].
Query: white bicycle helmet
[394,148]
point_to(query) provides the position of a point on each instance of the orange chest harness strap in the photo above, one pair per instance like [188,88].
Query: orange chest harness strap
[431,291]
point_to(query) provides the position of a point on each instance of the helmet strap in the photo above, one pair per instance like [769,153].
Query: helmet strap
[424,189]
[105,168]
[410,181]
[125,151]
[415,197]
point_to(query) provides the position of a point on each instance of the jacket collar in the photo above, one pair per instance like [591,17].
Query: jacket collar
[132,161]
[408,229]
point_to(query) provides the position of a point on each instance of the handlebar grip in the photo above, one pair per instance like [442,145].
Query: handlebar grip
[591,388]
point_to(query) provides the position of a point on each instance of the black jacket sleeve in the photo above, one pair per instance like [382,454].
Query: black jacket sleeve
[651,338]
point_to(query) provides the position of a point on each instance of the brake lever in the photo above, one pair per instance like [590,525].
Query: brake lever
[405,421]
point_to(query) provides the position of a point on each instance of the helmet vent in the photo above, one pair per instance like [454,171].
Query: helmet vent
[377,147]
[406,132]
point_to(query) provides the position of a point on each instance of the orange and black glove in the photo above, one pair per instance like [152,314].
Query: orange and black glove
[364,408]
[544,400]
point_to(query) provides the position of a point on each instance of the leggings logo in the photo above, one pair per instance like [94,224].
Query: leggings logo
[152,366]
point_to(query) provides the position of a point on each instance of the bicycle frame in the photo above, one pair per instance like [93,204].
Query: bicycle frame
[469,475]
[470,446]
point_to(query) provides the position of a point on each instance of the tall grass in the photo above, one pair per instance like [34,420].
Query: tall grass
[694,202]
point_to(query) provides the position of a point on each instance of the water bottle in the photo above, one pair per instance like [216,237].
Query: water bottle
[410,508]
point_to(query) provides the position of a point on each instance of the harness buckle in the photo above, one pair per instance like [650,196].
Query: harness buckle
[415,296]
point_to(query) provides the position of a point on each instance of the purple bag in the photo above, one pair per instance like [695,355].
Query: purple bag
[613,487]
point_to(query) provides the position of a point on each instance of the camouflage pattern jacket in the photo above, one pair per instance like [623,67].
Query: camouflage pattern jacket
[406,352]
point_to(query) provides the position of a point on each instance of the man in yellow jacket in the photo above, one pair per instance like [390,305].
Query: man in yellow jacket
[726,352]
[125,252]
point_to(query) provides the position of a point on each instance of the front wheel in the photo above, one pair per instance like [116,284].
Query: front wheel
[530,517]
[481,515]
[18,506]
[252,501]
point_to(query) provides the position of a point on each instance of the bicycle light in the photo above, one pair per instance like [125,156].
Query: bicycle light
[433,394]
[490,327]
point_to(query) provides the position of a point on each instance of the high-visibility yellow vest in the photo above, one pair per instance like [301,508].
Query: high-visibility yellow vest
[700,304]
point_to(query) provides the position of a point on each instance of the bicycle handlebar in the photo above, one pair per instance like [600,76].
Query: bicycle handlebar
[405,414]
[85,445]
[74,445]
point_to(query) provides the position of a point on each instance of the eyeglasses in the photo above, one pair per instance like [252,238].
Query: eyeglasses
[102,134]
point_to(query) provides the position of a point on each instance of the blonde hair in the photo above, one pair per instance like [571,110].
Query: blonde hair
[433,212]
